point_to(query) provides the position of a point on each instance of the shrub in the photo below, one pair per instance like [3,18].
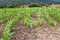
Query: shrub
[34,5]
[37,5]
[44,4]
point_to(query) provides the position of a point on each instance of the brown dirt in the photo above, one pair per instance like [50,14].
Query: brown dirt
[2,25]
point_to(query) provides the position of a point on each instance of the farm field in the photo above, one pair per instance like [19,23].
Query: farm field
[29,23]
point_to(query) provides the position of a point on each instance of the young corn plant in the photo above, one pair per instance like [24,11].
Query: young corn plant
[39,17]
[28,22]
[7,33]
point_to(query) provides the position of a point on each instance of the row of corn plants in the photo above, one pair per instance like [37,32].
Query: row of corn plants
[7,34]
[50,20]
[40,17]
[27,18]
[55,13]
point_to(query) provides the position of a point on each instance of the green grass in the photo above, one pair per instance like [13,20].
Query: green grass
[13,15]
